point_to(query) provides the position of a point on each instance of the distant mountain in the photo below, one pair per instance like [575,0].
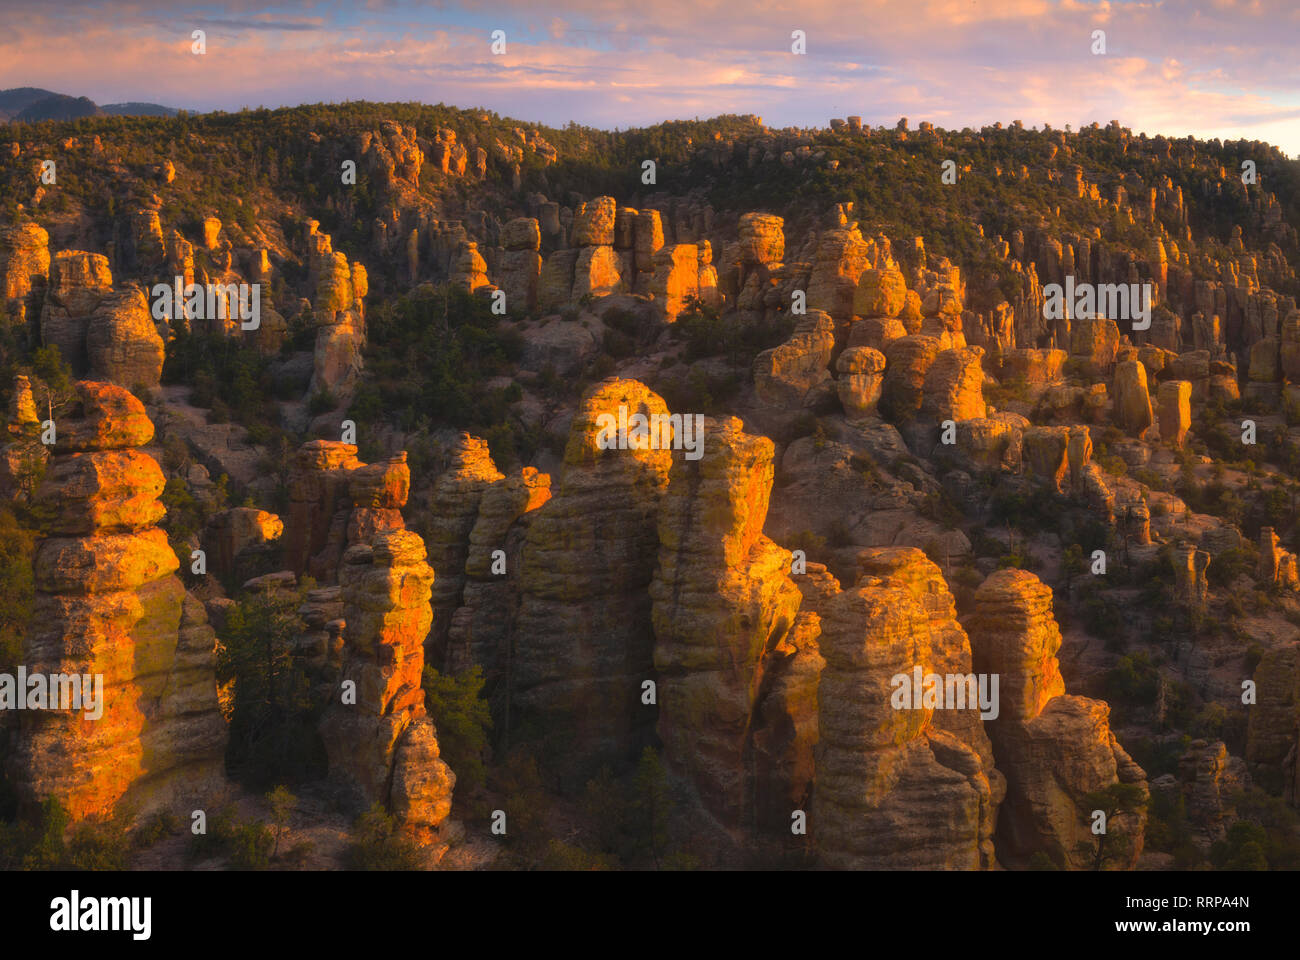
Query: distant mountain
[16,100]
[32,104]
[137,109]
[57,106]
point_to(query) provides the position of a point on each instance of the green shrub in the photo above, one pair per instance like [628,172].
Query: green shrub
[463,720]
[377,844]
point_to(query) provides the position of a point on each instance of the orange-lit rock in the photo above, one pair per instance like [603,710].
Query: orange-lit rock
[383,747]
[894,789]
[762,239]
[784,375]
[108,604]
[1054,749]
[723,600]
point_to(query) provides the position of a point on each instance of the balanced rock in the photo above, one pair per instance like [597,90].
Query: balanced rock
[861,378]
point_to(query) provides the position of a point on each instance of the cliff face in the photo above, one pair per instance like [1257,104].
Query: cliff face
[108,603]
[1054,749]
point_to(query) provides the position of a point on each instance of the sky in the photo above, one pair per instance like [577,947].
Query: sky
[1209,68]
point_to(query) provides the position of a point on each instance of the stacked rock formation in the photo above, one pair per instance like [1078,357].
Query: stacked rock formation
[1054,749]
[108,604]
[381,744]
[101,331]
[336,501]
[122,343]
[455,509]
[895,788]
[339,314]
[482,628]
[520,270]
[842,255]
[591,266]
[723,602]
[861,378]
[785,376]
[676,279]
[583,635]
[24,268]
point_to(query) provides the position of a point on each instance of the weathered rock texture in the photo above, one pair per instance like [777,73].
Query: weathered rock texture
[78,282]
[584,643]
[336,501]
[339,314]
[1055,749]
[482,628]
[24,267]
[455,510]
[723,602]
[895,788]
[108,603]
[383,747]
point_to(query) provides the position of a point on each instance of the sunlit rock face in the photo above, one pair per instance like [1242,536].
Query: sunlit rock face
[108,603]
[382,746]
[898,788]
[1055,749]
[723,605]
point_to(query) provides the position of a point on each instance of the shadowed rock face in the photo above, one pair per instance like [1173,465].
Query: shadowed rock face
[1055,749]
[584,644]
[78,282]
[336,501]
[456,500]
[1273,733]
[383,747]
[108,603]
[723,603]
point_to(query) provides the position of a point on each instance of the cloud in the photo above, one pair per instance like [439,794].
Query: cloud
[1207,67]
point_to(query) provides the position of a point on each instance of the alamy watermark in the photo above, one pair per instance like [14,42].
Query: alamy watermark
[77,692]
[1115,301]
[659,431]
[75,913]
[212,301]
[949,691]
